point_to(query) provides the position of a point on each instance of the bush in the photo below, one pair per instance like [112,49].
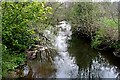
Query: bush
[10,60]
[109,22]
[98,38]
[106,37]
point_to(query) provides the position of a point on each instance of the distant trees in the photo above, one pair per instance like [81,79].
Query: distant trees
[99,21]
[84,17]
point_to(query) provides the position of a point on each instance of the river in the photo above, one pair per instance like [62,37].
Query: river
[74,58]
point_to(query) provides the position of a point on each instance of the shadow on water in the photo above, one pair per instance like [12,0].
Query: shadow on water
[82,51]
[93,63]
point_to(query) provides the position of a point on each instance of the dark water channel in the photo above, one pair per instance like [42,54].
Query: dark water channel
[74,58]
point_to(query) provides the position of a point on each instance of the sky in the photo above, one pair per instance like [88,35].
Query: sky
[87,0]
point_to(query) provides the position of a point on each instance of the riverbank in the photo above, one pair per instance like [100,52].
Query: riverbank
[113,44]
[96,22]
[72,51]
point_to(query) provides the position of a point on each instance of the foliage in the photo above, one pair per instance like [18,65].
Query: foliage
[98,39]
[107,33]
[109,22]
[107,36]
[83,16]
[90,19]
[10,61]
[16,29]
[16,16]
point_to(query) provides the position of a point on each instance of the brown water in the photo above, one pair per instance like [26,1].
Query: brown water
[74,58]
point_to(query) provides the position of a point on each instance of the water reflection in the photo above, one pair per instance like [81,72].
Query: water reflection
[40,70]
[66,66]
[91,63]
[74,59]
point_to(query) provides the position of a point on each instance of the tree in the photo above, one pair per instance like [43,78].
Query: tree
[17,29]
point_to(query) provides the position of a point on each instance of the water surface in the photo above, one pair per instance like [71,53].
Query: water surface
[74,58]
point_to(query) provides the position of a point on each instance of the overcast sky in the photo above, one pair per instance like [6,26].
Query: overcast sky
[87,0]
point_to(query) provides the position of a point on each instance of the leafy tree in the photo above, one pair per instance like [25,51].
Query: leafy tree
[17,32]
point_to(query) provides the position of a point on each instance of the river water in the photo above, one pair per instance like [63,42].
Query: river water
[74,58]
